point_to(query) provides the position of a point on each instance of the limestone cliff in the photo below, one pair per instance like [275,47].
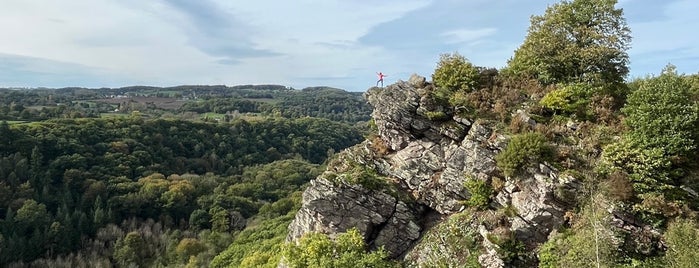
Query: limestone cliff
[407,183]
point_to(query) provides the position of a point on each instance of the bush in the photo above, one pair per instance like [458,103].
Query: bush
[521,150]
[436,115]
[480,193]
[455,72]
[661,114]
[348,250]
[590,242]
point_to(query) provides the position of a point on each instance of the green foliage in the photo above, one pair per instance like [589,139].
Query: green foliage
[589,243]
[259,245]
[480,193]
[32,214]
[131,250]
[76,177]
[570,99]
[362,175]
[575,41]
[524,149]
[648,168]
[682,238]
[455,73]
[315,250]
[661,114]
[662,120]
[189,247]
[436,115]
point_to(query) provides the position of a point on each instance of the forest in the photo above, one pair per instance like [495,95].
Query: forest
[85,186]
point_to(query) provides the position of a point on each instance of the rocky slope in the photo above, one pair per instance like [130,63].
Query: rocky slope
[402,187]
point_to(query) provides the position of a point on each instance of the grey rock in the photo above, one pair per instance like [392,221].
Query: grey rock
[427,167]
[417,81]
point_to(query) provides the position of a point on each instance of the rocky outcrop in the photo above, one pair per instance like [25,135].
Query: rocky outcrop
[538,201]
[336,207]
[428,154]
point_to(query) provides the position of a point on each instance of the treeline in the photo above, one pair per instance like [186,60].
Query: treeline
[333,104]
[266,100]
[130,190]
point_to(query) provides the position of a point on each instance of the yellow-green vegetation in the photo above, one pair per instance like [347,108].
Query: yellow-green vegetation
[662,118]
[358,174]
[571,99]
[436,115]
[523,150]
[454,72]
[589,242]
[480,193]
[257,246]
[682,238]
[315,250]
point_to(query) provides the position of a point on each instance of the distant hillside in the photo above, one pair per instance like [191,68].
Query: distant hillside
[205,102]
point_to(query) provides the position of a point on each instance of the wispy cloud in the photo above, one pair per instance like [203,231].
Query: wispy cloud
[466,35]
[218,33]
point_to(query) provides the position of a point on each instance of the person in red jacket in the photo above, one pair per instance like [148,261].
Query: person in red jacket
[381,76]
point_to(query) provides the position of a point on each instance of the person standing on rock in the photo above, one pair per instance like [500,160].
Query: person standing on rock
[381,76]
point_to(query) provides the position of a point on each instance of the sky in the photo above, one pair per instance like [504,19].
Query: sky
[302,43]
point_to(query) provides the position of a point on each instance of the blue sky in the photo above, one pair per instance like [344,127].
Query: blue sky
[113,43]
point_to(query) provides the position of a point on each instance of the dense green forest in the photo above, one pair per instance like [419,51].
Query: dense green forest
[147,190]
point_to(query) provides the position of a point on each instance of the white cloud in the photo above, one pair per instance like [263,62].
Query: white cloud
[467,35]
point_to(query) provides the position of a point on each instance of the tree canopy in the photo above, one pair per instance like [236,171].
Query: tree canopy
[575,41]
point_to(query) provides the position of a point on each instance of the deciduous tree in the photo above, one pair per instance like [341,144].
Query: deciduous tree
[575,41]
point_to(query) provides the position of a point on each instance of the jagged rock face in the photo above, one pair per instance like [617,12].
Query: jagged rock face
[429,161]
[432,159]
[539,210]
[333,207]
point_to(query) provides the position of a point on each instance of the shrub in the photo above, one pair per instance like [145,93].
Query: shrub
[348,250]
[521,150]
[509,249]
[589,243]
[570,99]
[480,193]
[436,115]
[455,72]
[682,239]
